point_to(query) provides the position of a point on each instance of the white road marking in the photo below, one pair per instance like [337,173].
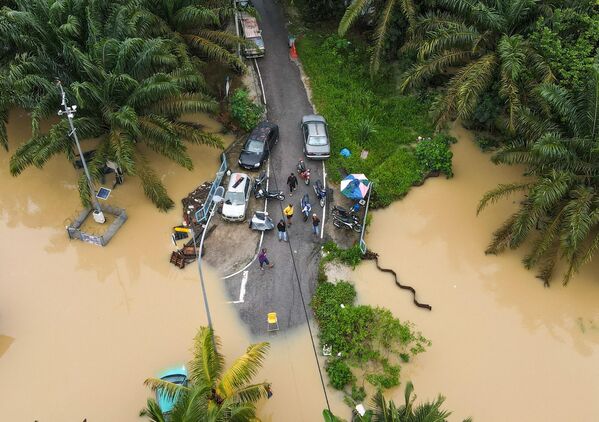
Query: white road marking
[324,209]
[244,280]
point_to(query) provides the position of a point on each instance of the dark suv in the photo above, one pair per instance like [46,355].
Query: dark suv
[258,145]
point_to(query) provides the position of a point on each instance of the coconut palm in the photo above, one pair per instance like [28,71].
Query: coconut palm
[382,410]
[198,24]
[385,11]
[477,44]
[214,393]
[131,92]
[560,151]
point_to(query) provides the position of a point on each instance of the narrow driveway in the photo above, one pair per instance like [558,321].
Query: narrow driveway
[280,289]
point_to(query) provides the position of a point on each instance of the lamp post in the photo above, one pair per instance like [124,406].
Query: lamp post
[70,112]
[216,199]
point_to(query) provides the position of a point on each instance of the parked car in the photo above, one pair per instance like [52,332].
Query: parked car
[236,197]
[258,145]
[252,33]
[176,376]
[316,137]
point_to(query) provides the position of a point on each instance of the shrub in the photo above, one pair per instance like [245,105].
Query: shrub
[339,373]
[358,394]
[245,111]
[363,334]
[365,130]
[435,155]
[350,257]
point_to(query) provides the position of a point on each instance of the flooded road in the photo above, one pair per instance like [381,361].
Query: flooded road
[82,326]
[504,348]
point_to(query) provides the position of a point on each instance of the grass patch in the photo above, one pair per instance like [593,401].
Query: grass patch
[365,113]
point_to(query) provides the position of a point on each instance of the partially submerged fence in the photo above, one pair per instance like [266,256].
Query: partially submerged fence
[202,213]
[74,229]
[362,242]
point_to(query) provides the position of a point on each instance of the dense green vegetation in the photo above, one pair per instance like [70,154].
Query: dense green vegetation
[126,67]
[244,111]
[350,100]
[214,393]
[522,71]
[366,337]
[381,410]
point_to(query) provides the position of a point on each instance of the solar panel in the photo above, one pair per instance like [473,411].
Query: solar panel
[103,193]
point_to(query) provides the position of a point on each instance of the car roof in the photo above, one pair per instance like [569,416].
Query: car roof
[260,132]
[250,26]
[316,128]
[235,179]
[313,118]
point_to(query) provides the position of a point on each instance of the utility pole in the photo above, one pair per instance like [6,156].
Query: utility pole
[70,112]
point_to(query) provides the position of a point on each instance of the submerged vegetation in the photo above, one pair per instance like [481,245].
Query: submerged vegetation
[213,393]
[129,70]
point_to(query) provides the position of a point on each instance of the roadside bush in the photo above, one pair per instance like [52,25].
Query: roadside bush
[350,257]
[339,373]
[364,335]
[435,155]
[245,112]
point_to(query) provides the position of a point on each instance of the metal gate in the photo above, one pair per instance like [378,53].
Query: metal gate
[202,213]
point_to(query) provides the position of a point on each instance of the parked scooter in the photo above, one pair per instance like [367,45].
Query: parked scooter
[303,172]
[261,192]
[348,223]
[343,213]
[306,207]
[320,192]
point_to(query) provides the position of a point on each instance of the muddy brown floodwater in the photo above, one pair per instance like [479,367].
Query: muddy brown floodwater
[81,326]
[504,347]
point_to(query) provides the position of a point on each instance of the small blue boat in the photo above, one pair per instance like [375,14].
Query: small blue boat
[176,375]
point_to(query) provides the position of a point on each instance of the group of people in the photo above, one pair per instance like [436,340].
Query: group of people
[284,223]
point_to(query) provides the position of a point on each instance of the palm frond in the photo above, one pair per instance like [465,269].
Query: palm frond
[243,369]
[352,13]
[500,192]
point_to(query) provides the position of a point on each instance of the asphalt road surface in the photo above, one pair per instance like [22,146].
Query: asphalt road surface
[255,293]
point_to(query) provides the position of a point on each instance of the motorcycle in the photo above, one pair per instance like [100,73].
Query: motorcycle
[321,192]
[260,192]
[306,207]
[343,213]
[303,172]
[348,223]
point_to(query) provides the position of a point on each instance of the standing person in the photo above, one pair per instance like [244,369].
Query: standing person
[292,183]
[263,259]
[315,223]
[288,213]
[282,228]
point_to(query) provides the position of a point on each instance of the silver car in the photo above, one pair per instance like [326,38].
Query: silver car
[236,197]
[316,137]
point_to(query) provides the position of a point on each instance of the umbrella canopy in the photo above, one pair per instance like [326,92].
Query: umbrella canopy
[355,186]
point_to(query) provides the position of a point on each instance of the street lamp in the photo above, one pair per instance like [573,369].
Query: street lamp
[216,199]
[70,112]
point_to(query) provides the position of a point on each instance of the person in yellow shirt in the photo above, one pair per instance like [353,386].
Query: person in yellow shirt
[288,213]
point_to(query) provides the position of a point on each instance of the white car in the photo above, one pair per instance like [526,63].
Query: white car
[236,197]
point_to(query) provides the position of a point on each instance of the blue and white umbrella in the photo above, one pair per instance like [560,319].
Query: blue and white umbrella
[355,186]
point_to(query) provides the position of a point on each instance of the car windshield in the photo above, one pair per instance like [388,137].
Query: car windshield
[317,140]
[175,379]
[258,41]
[234,198]
[254,146]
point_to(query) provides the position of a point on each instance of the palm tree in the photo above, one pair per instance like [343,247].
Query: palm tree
[477,44]
[560,151]
[213,393]
[382,410]
[130,91]
[198,24]
[385,11]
